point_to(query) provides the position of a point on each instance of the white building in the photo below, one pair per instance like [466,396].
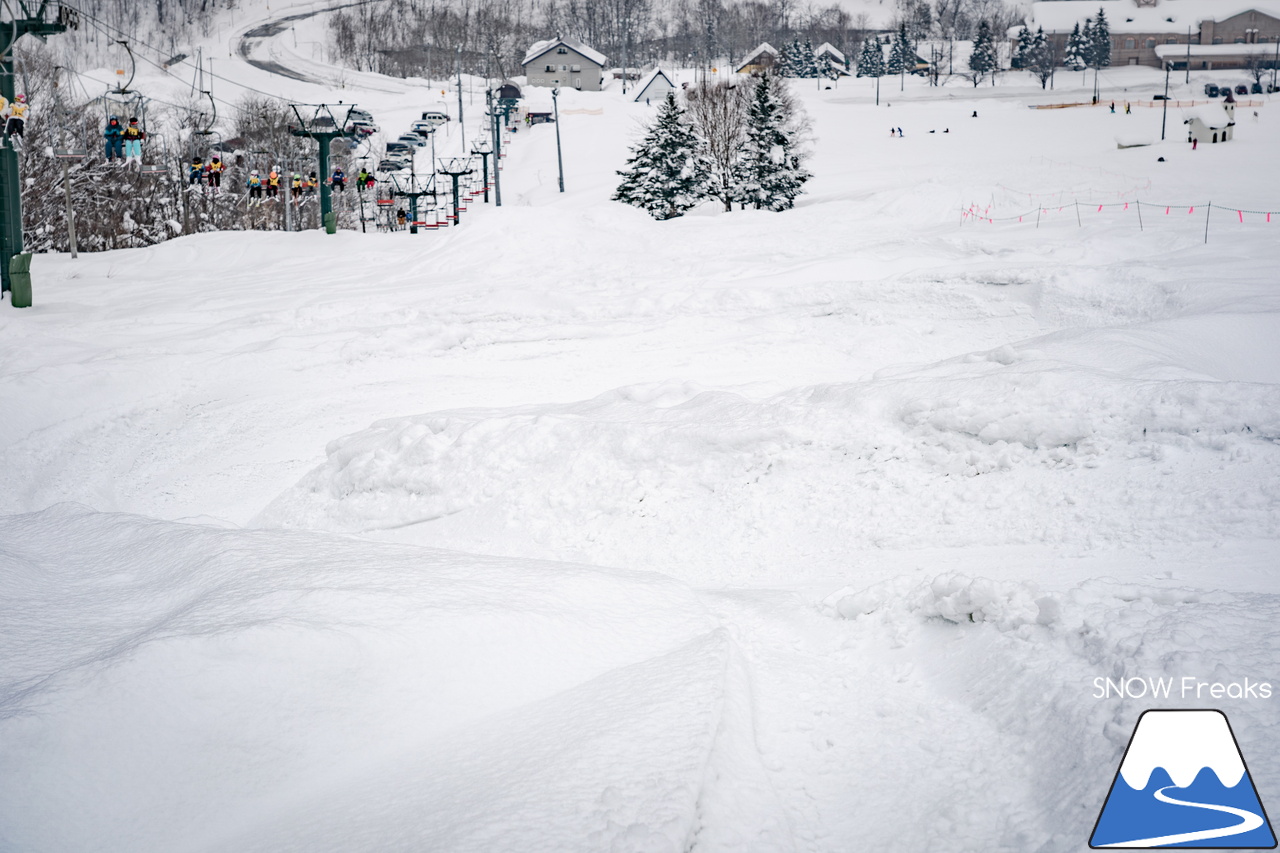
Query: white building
[654,87]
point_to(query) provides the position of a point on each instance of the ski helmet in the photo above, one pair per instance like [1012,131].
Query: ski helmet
[21,98]
[133,121]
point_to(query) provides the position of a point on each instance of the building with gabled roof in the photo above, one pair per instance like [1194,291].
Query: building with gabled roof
[654,87]
[564,62]
[759,60]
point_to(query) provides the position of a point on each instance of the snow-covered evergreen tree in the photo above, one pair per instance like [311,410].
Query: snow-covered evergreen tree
[1023,47]
[982,61]
[772,172]
[871,60]
[1100,42]
[811,66]
[667,172]
[798,60]
[1039,59]
[902,57]
[1076,57]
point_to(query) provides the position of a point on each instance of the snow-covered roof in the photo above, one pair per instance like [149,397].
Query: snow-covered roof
[764,48]
[828,48]
[573,44]
[1174,51]
[1124,16]
[1211,116]
[643,86]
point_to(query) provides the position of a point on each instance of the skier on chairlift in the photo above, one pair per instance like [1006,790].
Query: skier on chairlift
[17,118]
[133,136]
[215,173]
[114,136]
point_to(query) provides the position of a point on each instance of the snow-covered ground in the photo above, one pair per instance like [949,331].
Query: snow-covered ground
[572,530]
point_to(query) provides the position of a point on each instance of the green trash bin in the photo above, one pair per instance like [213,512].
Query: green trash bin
[20,280]
[331,223]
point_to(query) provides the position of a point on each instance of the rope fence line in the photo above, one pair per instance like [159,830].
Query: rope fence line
[1160,104]
[979,214]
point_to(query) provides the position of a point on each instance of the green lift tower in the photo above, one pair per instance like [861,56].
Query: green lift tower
[25,22]
[318,122]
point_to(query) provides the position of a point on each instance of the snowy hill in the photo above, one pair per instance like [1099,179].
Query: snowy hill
[568,529]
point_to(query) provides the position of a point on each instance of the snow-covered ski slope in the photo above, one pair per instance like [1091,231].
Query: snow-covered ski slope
[572,530]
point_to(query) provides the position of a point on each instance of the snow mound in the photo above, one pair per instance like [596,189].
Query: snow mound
[1024,444]
[166,687]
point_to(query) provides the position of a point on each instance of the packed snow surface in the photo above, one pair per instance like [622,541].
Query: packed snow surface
[572,530]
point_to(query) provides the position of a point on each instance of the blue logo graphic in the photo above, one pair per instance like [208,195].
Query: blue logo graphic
[1183,783]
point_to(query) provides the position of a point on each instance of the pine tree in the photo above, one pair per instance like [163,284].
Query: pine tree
[811,67]
[1039,57]
[901,56]
[982,60]
[1077,49]
[1100,42]
[667,172]
[1025,42]
[772,173]
[871,60]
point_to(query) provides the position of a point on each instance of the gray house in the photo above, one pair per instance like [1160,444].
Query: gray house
[564,62]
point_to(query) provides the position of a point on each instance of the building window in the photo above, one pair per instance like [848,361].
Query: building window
[575,67]
[1217,39]
[561,50]
[551,68]
[1128,44]
[1151,43]
[1171,40]
[564,68]
[1239,39]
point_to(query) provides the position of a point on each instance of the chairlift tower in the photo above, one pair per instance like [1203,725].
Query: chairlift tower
[499,114]
[413,194]
[323,128]
[24,22]
[483,150]
[455,168]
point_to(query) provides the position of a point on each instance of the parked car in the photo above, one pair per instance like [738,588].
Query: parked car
[435,117]
[424,128]
[391,166]
[1242,89]
[1224,90]
[1255,89]
[412,139]
[401,147]
[1160,97]
[1211,89]
[364,128]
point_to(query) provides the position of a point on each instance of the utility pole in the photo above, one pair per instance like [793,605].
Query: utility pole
[323,129]
[1188,80]
[555,104]
[10,182]
[462,131]
[1164,118]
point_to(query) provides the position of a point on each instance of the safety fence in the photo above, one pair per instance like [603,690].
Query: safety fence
[1243,216]
[1160,104]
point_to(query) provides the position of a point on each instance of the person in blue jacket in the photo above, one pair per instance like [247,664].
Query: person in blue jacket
[114,136]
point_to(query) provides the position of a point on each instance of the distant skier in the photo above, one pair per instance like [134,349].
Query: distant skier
[339,180]
[194,171]
[1127,111]
[133,136]
[899,133]
[114,136]
[312,183]
[273,182]
[295,187]
[215,172]
[18,117]
[362,178]
[254,183]
[401,219]
[1113,106]
[975,113]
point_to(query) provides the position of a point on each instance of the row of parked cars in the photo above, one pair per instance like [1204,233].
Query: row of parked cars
[1214,90]
[399,152]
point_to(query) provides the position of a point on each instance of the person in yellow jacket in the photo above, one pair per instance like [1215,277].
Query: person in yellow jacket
[295,188]
[215,172]
[17,116]
[273,183]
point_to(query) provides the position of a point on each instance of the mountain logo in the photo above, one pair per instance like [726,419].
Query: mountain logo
[1183,783]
